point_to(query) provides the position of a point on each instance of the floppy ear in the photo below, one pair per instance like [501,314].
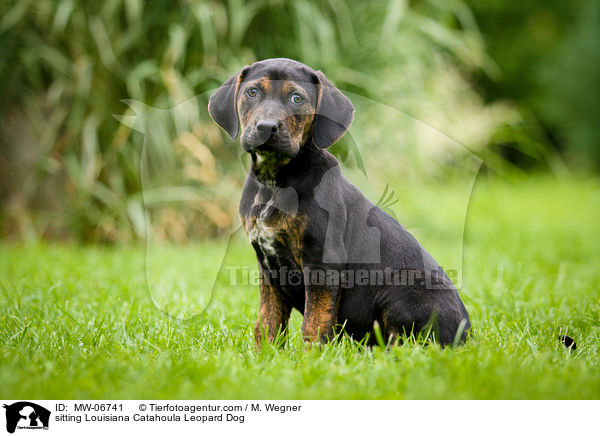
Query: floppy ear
[222,104]
[335,113]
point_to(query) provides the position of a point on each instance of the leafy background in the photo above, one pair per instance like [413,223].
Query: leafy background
[511,82]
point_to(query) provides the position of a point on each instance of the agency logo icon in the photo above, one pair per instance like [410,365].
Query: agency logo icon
[26,415]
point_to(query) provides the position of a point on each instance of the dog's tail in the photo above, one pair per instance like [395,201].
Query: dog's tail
[568,342]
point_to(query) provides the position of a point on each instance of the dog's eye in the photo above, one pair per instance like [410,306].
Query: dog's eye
[297,98]
[252,92]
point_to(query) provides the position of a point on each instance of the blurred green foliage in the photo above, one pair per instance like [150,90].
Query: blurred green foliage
[548,54]
[70,169]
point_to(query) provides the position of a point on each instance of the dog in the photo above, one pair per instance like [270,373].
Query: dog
[322,247]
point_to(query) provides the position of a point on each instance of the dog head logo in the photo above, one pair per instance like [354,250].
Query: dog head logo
[26,415]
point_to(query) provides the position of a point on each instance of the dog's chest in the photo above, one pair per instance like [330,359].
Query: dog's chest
[274,226]
[265,228]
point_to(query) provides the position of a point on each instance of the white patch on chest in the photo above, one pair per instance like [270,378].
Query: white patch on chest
[262,233]
[283,202]
[264,236]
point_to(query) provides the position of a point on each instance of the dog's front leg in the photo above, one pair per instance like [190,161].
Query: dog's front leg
[320,313]
[273,314]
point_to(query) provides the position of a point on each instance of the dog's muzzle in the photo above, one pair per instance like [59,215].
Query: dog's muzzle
[265,133]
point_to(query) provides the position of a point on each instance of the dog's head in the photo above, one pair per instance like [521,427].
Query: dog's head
[281,105]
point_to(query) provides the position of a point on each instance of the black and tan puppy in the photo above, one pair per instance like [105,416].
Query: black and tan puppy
[322,247]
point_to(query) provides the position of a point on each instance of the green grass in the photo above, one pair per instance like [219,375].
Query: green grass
[78,322]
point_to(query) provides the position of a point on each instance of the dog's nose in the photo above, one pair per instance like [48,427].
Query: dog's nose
[266,127]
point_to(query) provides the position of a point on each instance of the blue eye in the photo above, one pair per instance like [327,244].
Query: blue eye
[297,98]
[252,92]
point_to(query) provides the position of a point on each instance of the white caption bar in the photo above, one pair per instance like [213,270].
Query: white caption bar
[23,417]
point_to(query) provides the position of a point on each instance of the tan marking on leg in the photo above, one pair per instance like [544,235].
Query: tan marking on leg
[273,314]
[320,314]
